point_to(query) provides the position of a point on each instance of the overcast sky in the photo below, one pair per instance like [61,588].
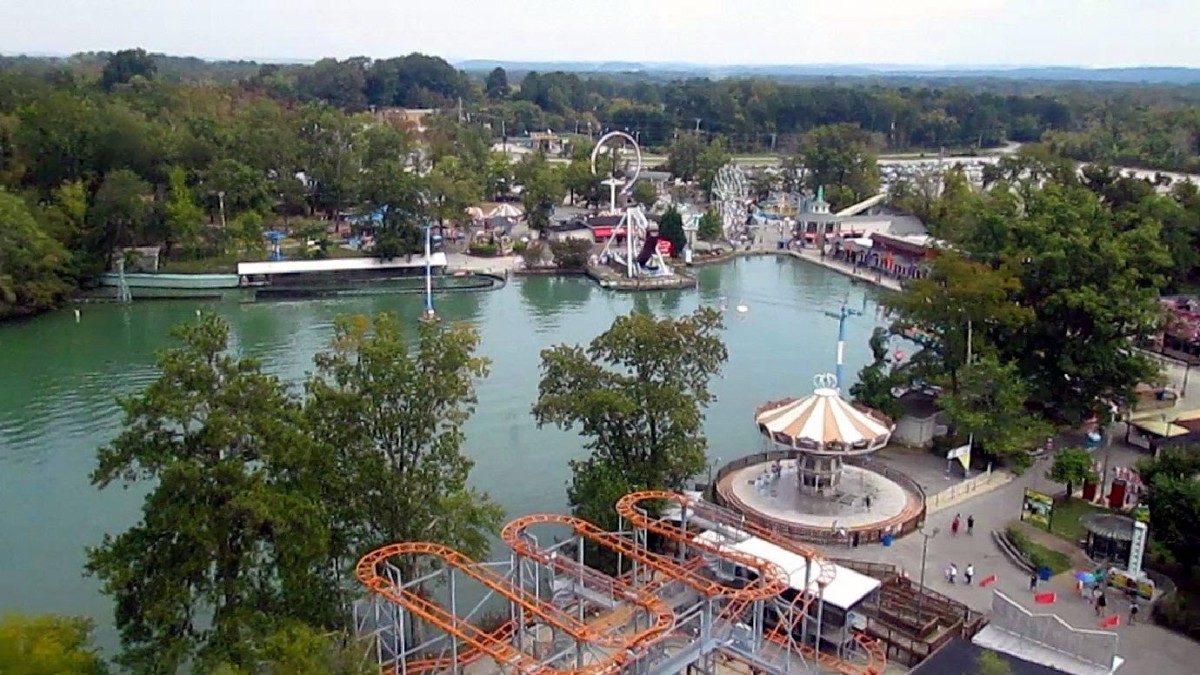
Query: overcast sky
[919,32]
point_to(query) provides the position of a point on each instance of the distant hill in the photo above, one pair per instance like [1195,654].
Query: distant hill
[1130,75]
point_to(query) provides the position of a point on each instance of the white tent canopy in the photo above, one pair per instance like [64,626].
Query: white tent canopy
[823,421]
[505,211]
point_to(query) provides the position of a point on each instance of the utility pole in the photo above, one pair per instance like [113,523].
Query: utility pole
[460,110]
[841,316]
[924,555]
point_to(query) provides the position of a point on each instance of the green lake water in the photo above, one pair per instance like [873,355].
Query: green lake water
[58,379]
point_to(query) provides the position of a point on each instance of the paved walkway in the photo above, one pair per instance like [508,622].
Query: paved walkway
[1148,649]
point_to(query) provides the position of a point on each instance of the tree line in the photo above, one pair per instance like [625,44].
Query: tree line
[1154,127]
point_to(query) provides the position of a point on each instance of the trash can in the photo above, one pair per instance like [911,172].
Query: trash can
[887,539]
[1044,573]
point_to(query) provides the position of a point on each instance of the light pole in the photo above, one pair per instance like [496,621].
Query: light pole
[221,202]
[924,556]
[715,461]
[841,315]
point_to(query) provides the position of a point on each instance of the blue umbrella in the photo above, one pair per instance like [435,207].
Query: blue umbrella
[1085,577]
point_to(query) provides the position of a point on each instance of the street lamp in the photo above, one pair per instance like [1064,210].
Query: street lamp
[924,555]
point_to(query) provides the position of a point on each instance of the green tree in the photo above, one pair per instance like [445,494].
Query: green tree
[451,187]
[839,157]
[670,227]
[957,300]
[1174,500]
[125,65]
[645,193]
[395,193]
[1072,467]
[31,262]
[710,228]
[571,254]
[1092,283]
[990,405]
[388,410]
[48,645]
[683,157]
[301,650]
[638,394]
[120,213]
[233,538]
[877,379]
[714,156]
[544,190]
[496,86]
[183,215]
[245,233]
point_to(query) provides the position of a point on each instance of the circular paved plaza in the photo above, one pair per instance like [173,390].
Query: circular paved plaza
[863,500]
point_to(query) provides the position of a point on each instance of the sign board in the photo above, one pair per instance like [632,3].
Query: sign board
[1141,513]
[664,247]
[1137,548]
[1037,507]
[1143,586]
[963,454]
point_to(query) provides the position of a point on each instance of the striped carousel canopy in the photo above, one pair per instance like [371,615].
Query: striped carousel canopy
[823,422]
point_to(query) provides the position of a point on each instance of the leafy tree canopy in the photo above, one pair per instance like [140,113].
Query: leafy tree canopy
[637,393]
[48,645]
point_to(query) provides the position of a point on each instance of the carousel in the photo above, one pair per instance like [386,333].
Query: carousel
[820,430]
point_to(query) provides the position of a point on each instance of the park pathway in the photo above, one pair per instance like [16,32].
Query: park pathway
[1147,649]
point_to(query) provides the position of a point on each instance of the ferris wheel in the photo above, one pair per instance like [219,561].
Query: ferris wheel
[616,144]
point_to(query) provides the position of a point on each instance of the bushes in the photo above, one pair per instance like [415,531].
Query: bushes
[483,249]
[534,255]
[571,254]
[1039,556]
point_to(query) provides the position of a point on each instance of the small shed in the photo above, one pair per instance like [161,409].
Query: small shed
[1109,537]
[918,425]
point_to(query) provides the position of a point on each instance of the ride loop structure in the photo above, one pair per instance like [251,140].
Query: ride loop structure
[686,593]
[634,245]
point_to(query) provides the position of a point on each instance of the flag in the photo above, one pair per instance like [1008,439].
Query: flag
[1110,622]
[987,581]
[1045,598]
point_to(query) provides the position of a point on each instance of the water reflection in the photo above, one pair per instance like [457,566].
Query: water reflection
[547,297]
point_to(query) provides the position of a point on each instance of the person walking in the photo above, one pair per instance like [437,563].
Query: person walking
[953,572]
[1033,579]
[1101,603]
[971,524]
[969,573]
[1133,611]
[954,526]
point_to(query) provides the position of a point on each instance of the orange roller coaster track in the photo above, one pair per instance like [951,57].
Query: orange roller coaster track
[772,578]
[495,644]
[632,507]
[502,585]
[505,632]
